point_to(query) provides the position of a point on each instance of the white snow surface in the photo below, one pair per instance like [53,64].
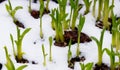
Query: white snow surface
[33,52]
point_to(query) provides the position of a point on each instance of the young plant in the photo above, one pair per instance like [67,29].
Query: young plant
[99,9]
[74,12]
[69,55]
[50,51]
[80,26]
[94,7]
[53,22]
[87,4]
[12,11]
[99,45]
[18,42]
[106,13]
[88,66]
[58,25]
[41,14]
[44,55]
[29,7]
[111,54]
[62,8]
[9,65]
[47,4]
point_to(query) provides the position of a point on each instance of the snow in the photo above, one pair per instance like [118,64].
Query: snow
[33,52]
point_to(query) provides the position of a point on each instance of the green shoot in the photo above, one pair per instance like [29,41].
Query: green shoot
[53,22]
[18,42]
[69,55]
[47,4]
[87,4]
[99,45]
[44,55]
[50,51]
[112,9]
[115,33]
[80,26]
[58,25]
[88,66]
[94,7]
[100,9]
[9,65]
[111,54]
[106,13]
[12,11]
[62,8]
[74,12]
[29,7]
[41,13]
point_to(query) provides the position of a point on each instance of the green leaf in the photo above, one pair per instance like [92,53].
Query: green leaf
[21,67]
[96,40]
[81,23]
[9,64]
[25,32]
[102,35]
[89,66]
[16,9]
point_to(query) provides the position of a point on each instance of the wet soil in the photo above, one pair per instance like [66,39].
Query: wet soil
[19,24]
[35,14]
[23,60]
[1,1]
[73,35]
[71,63]
[0,66]
[102,67]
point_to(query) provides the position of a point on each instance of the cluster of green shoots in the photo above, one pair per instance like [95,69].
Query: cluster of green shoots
[74,12]
[62,9]
[12,11]
[106,12]
[115,33]
[9,65]
[87,4]
[80,26]
[18,42]
[58,25]
[88,66]
[99,45]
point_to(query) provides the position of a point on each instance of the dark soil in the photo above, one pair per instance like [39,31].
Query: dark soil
[75,59]
[118,68]
[99,24]
[24,61]
[35,1]
[55,1]
[102,67]
[73,35]
[0,66]
[19,24]
[35,13]
[1,1]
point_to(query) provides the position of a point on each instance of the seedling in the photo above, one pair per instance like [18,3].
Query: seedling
[80,26]
[106,13]
[18,42]
[47,4]
[94,7]
[9,65]
[12,11]
[111,54]
[87,4]
[99,45]
[69,55]
[41,10]
[62,8]
[99,9]
[74,12]
[88,66]
[58,25]
[115,33]
[44,55]
[53,22]
[50,43]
